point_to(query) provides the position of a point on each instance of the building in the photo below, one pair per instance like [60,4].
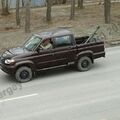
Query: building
[34,3]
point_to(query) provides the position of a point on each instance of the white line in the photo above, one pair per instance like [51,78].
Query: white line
[10,99]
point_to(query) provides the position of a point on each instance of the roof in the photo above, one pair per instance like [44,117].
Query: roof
[54,33]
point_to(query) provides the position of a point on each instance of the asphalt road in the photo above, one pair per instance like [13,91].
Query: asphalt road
[65,94]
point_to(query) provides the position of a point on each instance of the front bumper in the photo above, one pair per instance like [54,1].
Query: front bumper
[7,68]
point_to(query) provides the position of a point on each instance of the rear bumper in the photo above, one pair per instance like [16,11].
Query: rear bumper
[0,63]
[99,54]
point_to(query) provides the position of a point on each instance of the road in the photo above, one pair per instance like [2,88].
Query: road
[65,94]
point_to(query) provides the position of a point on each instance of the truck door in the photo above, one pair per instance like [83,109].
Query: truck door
[64,50]
[45,58]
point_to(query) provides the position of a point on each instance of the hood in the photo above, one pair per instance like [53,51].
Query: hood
[14,51]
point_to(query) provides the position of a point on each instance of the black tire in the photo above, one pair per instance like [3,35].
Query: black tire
[84,63]
[23,74]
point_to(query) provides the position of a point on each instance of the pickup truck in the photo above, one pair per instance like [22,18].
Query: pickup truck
[51,49]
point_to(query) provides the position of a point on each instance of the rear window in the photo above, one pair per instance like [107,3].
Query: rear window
[62,41]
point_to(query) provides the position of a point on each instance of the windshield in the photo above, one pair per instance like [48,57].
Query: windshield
[32,42]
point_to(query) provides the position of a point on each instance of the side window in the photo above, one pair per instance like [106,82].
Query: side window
[46,44]
[62,41]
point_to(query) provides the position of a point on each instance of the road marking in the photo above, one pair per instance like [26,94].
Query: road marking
[10,99]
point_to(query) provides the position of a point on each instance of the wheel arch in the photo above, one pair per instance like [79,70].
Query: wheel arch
[85,53]
[29,64]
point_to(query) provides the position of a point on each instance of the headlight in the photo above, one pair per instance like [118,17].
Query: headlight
[9,61]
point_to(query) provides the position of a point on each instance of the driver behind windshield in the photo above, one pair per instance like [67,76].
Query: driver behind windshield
[46,44]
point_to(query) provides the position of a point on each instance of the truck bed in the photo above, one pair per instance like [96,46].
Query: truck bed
[81,40]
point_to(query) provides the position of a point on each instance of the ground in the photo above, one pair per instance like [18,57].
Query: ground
[84,23]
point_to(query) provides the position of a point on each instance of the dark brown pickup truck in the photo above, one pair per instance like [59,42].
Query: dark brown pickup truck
[49,50]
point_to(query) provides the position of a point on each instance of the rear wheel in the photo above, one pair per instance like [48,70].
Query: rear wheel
[84,63]
[23,74]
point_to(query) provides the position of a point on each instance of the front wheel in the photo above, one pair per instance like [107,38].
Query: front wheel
[84,63]
[23,74]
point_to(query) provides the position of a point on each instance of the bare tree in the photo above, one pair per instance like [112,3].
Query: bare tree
[18,12]
[107,10]
[23,3]
[27,16]
[5,5]
[72,13]
[80,4]
[64,1]
[59,1]
[48,13]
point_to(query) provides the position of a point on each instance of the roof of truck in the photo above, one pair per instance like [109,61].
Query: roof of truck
[54,33]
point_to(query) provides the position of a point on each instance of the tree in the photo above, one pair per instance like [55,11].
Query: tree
[107,10]
[48,13]
[80,4]
[64,1]
[59,1]
[72,13]
[23,3]
[27,16]
[17,12]
[5,5]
